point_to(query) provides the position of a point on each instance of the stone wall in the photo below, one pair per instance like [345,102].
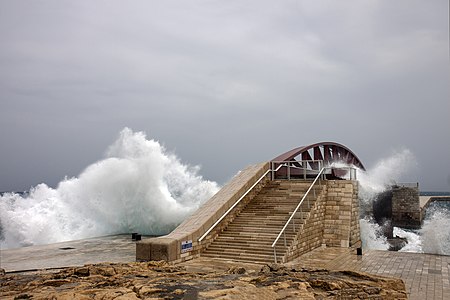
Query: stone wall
[406,211]
[311,232]
[169,247]
[333,220]
[341,224]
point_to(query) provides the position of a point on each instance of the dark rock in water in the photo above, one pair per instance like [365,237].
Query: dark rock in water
[396,243]
[382,211]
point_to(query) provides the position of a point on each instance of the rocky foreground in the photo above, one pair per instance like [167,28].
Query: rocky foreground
[159,280]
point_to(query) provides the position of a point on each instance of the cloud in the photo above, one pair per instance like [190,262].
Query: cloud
[239,80]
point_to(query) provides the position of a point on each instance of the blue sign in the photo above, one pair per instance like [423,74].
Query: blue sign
[186,246]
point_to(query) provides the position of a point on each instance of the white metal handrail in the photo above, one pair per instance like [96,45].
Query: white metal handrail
[236,203]
[293,214]
[307,166]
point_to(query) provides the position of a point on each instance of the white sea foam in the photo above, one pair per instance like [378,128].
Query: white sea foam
[385,173]
[374,181]
[414,242]
[435,233]
[372,235]
[137,187]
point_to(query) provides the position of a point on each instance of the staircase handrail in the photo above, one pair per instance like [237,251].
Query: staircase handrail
[298,206]
[236,203]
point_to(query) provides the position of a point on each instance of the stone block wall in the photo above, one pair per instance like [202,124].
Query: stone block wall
[169,247]
[310,234]
[406,211]
[333,220]
[341,225]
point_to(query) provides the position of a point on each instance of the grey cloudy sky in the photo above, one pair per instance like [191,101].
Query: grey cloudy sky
[222,83]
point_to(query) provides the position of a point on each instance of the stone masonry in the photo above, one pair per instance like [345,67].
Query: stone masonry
[406,211]
[341,225]
[310,235]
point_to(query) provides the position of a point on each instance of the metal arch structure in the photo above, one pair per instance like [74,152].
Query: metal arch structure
[328,152]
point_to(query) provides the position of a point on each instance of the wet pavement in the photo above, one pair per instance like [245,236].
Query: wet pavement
[426,275]
[116,248]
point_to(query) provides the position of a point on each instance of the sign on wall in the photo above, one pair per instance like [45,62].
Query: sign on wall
[186,246]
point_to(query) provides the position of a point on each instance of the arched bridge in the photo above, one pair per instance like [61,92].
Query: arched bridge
[313,157]
[272,212]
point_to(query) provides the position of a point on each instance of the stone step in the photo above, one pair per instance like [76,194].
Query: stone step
[238,250]
[276,211]
[240,244]
[252,236]
[266,222]
[255,228]
[246,257]
[269,215]
[248,241]
[261,218]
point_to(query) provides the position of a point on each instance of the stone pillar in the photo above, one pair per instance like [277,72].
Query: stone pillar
[341,226]
[406,210]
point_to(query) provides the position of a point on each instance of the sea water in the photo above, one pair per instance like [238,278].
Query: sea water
[138,187]
[433,237]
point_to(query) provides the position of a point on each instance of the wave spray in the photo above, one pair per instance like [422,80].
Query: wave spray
[374,181]
[137,187]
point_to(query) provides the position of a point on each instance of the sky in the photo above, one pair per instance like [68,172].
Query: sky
[223,84]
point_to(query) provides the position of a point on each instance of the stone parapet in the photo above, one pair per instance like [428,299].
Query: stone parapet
[182,243]
[406,210]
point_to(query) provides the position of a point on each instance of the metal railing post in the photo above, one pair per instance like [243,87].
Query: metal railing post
[275,254]
[284,238]
[289,171]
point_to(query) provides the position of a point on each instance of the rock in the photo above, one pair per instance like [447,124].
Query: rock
[236,270]
[55,282]
[265,270]
[164,281]
[102,270]
[2,272]
[83,271]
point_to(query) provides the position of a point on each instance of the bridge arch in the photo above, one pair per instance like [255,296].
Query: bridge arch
[328,152]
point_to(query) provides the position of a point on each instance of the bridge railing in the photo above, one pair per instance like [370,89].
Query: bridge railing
[310,193]
[301,169]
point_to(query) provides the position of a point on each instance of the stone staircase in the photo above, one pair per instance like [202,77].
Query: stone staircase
[250,235]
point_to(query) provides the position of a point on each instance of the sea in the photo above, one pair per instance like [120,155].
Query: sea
[139,186]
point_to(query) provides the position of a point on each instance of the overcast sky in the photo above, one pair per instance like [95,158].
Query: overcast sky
[223,84]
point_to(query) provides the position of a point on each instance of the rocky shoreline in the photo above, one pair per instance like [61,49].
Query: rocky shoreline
[159,280]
